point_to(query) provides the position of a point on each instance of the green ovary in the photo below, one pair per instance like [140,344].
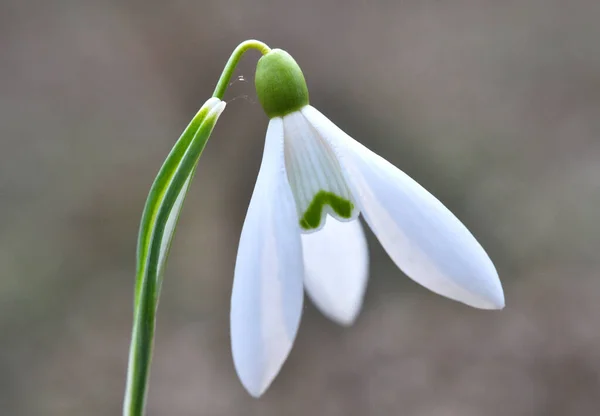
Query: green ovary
[312,216]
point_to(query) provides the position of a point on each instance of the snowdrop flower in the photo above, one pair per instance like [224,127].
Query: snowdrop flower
[302,230]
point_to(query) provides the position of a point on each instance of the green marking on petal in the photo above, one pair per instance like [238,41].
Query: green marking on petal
[312,217]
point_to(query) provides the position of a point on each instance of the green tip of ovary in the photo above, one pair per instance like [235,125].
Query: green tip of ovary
[312,216]
[280,84]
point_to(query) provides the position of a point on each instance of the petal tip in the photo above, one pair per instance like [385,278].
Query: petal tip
[492,301]
[347,321]
[338,309]
[255,391]
[343,318]
[255,384]
[496,294]
[498,301]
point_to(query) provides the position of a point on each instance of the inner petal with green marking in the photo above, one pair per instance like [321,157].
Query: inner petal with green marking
[315,176]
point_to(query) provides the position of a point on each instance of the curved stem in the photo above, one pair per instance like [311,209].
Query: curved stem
[231,64]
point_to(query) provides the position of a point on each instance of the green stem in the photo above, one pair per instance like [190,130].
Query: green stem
[235,57]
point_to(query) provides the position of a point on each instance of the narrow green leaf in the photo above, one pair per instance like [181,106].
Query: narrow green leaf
[157,227]
[158,189]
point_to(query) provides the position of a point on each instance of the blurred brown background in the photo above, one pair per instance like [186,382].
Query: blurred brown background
[494,106]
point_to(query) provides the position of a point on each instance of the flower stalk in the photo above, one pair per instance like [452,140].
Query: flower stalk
[234,59]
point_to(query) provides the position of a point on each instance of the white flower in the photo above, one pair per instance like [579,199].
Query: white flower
[302,232]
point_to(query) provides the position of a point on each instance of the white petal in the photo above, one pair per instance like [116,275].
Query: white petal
[418,232]
[266,302]
[336,262]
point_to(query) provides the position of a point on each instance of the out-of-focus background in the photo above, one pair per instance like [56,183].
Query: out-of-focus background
[494,106]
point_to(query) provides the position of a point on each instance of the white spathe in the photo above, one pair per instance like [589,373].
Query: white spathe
[304,154]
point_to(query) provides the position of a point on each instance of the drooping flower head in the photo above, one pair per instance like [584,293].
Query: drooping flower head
[302,230]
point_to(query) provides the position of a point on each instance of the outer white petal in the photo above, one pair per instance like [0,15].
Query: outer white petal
[266,302]
[336,262]
[418,232]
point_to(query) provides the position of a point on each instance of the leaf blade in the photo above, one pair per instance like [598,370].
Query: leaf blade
[157,228]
